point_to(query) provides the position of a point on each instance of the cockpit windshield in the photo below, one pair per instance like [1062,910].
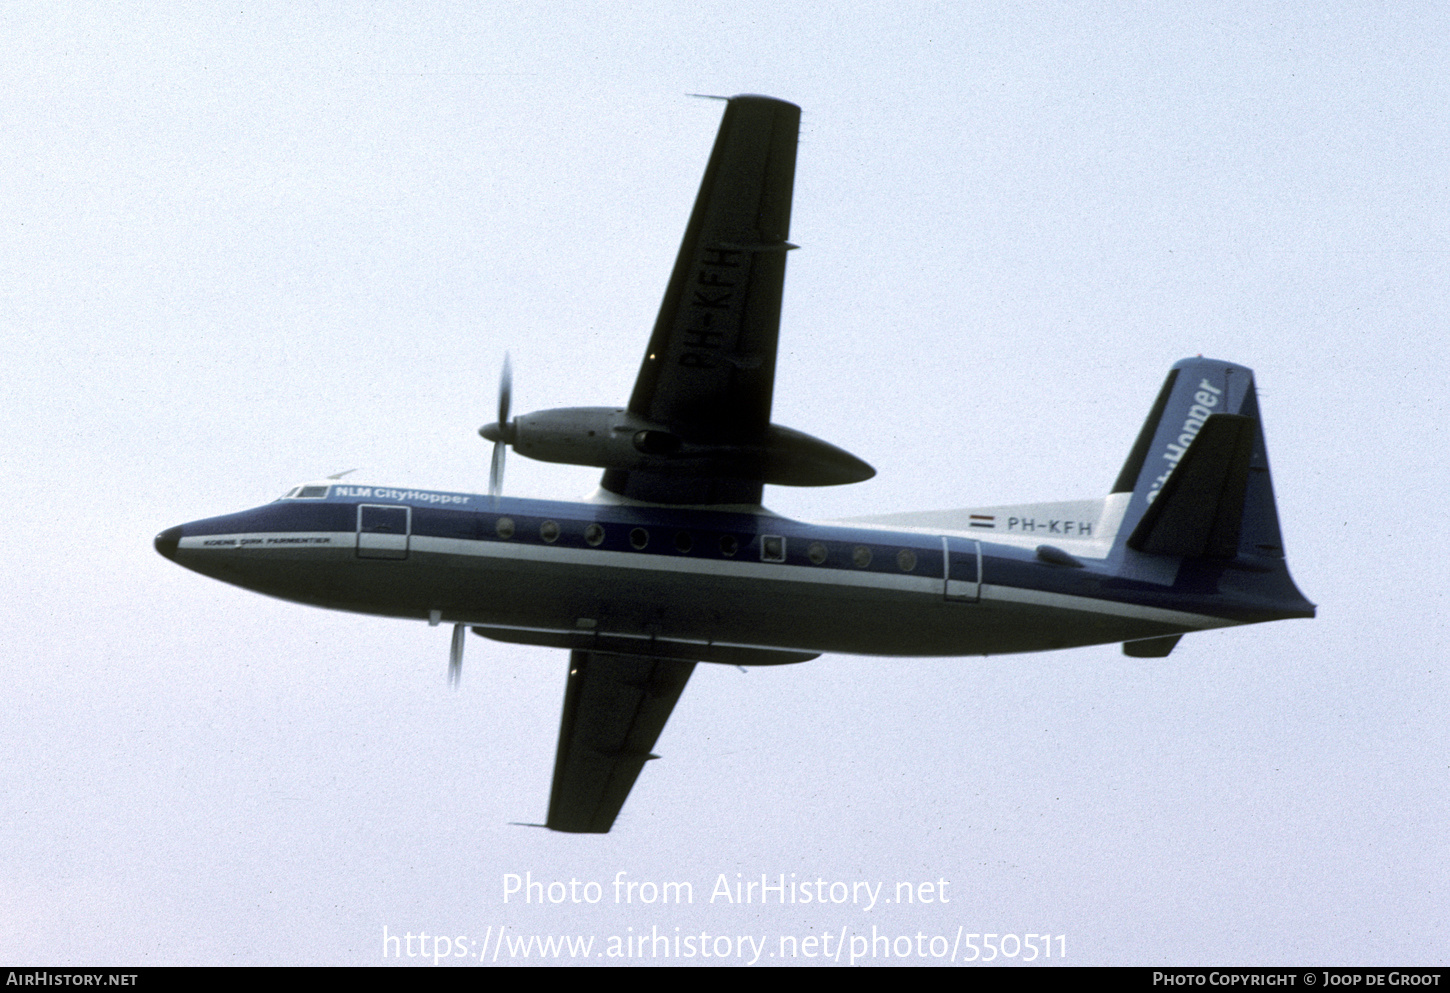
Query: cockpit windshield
[306,493]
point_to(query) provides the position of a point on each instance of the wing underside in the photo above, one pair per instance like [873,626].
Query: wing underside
[615,707]
[709,371]
[706,381]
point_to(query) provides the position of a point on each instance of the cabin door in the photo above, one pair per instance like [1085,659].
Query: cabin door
[382,532]
[962,577]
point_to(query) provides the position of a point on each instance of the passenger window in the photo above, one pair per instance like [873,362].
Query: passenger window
[772,548]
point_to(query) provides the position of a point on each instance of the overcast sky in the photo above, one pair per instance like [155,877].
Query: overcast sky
[246,246]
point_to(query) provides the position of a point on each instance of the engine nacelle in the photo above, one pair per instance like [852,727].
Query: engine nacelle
[613,438]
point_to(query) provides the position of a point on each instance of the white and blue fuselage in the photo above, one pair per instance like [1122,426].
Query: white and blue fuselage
[728,585]
[676,562]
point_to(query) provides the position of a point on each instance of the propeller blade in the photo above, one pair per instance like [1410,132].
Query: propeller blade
[505,391]
[501,431]
[455,655]
[495,472]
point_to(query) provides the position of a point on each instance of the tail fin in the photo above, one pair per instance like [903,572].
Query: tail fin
[1199,472]
[1199,511]
[1200,504]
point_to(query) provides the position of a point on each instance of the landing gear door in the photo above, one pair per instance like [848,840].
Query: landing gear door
[382,532]
[963,572]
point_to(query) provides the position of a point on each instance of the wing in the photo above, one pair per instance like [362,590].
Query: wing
[709,371]
[615,707]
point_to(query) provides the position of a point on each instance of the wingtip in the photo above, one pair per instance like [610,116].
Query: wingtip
[743,96]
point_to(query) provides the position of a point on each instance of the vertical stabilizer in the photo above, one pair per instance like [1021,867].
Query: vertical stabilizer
[1199,472]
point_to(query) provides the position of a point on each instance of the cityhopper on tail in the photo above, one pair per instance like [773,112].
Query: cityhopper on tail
[674,561]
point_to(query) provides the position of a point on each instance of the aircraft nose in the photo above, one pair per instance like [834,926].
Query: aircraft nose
[167,541]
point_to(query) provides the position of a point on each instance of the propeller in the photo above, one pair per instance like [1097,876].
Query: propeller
[500,432]
[455,655]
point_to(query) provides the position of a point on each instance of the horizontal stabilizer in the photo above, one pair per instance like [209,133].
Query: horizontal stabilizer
[1199,511]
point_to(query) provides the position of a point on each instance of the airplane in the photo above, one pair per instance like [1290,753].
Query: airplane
[675,561]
